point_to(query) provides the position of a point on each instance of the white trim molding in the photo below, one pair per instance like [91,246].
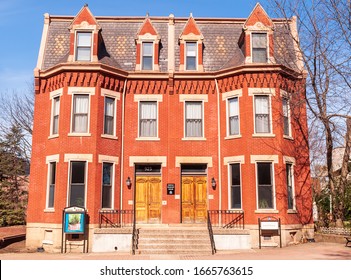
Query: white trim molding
[148,159]
[234,159]
[78,157]
[287,159]
[110,159]
[52,158]
[271,158]
[193,97]
[207,160]
[110,93]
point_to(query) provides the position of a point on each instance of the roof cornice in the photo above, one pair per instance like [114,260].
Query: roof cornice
[99,67]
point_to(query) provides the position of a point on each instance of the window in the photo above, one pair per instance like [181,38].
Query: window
[80,113]
[83,46]
[193,119]
[55,115]
[148,119]
[262,118]
[109,119]
[235,186]
[233,105]
[259,47]
[107,177]
[289,184]
[286,116]
[51,186]
[191,55]
[265,185]
[147,58]
[77,183]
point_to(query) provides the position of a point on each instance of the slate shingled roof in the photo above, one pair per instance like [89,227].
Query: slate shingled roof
[118,48]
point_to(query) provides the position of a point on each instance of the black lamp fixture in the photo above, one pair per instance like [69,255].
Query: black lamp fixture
[129,183]
[213,183]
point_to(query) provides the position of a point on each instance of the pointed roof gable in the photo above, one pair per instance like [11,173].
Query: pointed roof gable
[191,28]
[258,14]
[84,18]
[147,28]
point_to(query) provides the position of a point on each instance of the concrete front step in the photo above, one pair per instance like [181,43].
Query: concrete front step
[175,247]
[173,252]
[174,240]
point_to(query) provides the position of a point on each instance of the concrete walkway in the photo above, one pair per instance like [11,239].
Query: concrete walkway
[307,251]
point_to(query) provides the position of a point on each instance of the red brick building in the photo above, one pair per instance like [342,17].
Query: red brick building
[172,116]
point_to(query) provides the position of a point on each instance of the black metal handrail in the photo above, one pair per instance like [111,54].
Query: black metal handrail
[134,238]
[227,219]
[210,232]
[115,218]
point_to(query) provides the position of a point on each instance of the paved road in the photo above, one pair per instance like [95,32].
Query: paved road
[307,251]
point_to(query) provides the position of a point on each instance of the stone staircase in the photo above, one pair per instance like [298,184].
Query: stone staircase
[179,240]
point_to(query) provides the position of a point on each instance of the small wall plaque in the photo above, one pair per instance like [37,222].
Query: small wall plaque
[170,189]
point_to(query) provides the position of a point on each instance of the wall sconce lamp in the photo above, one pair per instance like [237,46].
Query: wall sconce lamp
[213,183]
[129,183]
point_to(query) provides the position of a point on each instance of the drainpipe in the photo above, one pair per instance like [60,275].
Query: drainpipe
[219,148]
[122,145]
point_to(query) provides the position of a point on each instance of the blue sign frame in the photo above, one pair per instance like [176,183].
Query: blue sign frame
[74,222]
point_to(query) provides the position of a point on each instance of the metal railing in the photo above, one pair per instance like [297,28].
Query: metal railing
[135,236]
[116,218]
[227,219]
[210,232]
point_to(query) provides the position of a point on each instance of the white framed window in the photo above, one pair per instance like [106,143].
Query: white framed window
[286,117]
[290,185]
[77,183]
[80,113]
[51,162]
[262,114]
[190,55]
[107,184]
[52,184]
[259,48]
[235,186]
[148,119]
[147,56]
[265,187]
[55,115]
[83,46]
[194,119]
[109,116]
[233,116]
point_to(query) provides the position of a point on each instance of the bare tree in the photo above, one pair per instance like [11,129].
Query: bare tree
[324,45]
[16,110]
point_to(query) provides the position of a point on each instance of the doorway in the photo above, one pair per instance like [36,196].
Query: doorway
[194,194]
[148,194]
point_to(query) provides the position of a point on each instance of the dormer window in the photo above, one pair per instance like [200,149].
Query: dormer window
[191,47]
[147,56]
[191,55]
[259,47]
[83,46]
[147,47]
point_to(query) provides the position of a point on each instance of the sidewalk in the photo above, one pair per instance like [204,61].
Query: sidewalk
[307,251]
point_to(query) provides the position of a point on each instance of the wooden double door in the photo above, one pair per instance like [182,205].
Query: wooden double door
[194,199]
[148,200]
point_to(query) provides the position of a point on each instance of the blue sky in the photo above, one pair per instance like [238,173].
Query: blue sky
[22,23]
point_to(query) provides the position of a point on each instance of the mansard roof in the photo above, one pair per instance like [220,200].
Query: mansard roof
[117,38]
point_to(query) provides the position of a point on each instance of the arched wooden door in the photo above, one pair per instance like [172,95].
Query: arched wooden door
[148,199]
[194,199]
